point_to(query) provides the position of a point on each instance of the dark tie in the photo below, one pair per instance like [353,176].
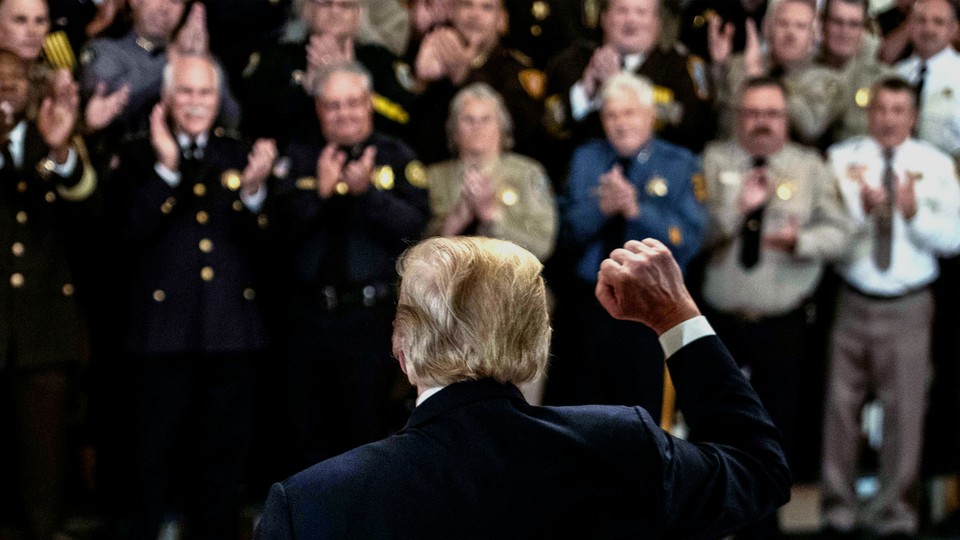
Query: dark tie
[921,80]
[615,229]
[883,220]
[8,162]
[191,160]
[752,225]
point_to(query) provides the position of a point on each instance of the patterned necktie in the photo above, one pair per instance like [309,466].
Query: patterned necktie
[883,220]
[753,224]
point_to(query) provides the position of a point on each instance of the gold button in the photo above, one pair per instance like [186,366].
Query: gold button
[206,245]
[21,186]
[16,280]
[262,221]
[166,208]
[21,217]
[199,189]
[17,249]
[249,294]
[206,273]
[159,295]
[202,217]
[67,289]
[238,205]
[342,188]
[535,30]
[50,196]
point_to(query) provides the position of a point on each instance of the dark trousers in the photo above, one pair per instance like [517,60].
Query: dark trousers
[770,351]
[32,428]
[340,373]
[193,414]
[598,359]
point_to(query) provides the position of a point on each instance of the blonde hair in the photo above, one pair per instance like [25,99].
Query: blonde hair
[471,308]
[626,83]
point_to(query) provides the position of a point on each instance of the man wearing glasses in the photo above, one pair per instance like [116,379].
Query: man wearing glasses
[774,219]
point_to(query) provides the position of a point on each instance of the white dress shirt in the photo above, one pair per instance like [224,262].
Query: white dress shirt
[939,120]
[933,231]
[16,137]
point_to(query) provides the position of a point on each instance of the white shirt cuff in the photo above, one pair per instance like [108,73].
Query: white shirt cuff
[580,104]
[66,169]
[254,202]
[684,334]
[172,178]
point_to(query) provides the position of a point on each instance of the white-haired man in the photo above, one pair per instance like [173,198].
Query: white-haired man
[476,461]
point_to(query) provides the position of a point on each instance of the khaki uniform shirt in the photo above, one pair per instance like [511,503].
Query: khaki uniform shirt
[805,192]
[528,211]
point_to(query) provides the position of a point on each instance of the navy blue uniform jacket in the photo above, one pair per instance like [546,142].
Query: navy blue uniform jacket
[476,461]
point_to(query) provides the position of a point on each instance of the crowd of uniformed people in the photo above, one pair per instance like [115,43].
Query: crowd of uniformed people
[202,202]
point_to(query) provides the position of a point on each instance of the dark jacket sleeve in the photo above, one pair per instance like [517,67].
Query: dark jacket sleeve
[732,471]
[276,522]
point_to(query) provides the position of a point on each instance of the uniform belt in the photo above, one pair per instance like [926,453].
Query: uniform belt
[885,297]
[341,297]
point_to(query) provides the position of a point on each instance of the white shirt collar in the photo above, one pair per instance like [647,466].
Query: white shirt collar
[427,393]
[16,136]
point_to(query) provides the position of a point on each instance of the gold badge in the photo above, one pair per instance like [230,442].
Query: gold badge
[676,235]
[786,191]
[230,179]
[416,174]
[540,10]
[863,97]
[699,187]
[855,172]
[657,187]
[533,82]
[306,183]
[383,178]
[509,197]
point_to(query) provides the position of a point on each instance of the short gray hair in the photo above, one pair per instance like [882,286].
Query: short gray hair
[482,91]
[625,83]
[169,67]
[315,86]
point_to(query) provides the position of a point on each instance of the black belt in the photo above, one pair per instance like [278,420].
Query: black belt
[885,297]
[363,295]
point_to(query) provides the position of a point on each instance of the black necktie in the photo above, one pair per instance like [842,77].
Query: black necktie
[921,80]
[615,229]
[883,220]
[752,225]
[8,162]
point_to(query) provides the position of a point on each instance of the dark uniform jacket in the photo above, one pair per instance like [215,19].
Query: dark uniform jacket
[476,461]
[506,71]
[276,104]
[40,322]
[193,250]
[349,241]
[681,93]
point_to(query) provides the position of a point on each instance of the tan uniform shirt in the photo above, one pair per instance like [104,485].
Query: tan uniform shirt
[528,214]
[804,192]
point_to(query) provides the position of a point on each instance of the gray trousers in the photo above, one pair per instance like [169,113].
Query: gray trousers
[881,346]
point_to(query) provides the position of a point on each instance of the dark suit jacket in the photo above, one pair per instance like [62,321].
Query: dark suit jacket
[40,219]
[476,461]
[193,251]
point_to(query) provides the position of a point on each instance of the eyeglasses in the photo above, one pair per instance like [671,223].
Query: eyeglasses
[330,4]
[759,114]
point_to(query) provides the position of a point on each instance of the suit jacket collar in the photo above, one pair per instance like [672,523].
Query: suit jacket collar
[460,394]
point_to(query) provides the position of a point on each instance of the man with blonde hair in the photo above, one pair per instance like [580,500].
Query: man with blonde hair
[476,461]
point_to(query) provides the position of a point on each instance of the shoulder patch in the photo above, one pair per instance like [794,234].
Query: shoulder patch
[533,82]
[416,174]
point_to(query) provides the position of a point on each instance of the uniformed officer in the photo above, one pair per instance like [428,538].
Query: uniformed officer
[44,194]
[122,77]
[278,83]
[775,219]
[188,212]
[349,200]
[470,52]
[844,49]
[627,186]
[815,94]
[934,69]
[630,36]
